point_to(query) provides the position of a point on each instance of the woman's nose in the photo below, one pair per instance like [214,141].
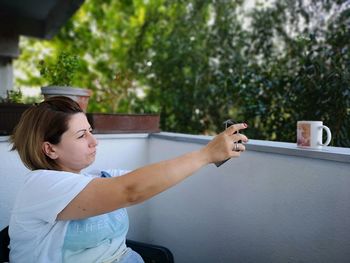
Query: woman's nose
[93,140]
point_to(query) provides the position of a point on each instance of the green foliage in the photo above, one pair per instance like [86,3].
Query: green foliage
[60,71]
[308,80]
[205,69]
[12,96]
[200,62]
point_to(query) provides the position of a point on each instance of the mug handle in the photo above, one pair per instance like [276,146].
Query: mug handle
[329,135]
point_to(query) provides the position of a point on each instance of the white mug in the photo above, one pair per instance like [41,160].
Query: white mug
[309,134]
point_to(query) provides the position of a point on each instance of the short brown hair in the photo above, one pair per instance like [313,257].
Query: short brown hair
[46,121]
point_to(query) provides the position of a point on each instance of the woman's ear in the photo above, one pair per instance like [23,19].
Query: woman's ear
[49,150]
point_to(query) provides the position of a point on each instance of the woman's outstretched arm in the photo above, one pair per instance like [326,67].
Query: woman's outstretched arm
[103,195]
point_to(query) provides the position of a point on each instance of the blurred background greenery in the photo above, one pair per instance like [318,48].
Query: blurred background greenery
[200,62]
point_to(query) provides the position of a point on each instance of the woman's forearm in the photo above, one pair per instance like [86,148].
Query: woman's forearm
[150,180]
[103,195]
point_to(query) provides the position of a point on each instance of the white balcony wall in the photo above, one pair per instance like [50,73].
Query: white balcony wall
[262,207]
[269,205]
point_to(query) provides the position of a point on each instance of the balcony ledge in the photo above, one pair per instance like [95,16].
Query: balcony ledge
[337,154]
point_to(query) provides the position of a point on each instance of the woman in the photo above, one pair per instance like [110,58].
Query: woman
[63,215]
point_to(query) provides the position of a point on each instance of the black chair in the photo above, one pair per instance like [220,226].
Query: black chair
[4,242]
[150,253]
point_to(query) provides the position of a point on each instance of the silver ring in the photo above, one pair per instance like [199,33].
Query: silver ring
[235,146]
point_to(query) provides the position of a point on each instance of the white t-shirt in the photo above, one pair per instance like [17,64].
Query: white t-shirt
[37,237]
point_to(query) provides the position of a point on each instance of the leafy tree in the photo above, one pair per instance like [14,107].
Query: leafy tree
[309,79]
[200,62]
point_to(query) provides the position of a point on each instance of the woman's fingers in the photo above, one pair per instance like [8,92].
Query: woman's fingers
[235,128]
[233,132]
[239,137]
[238,147]
[227,144]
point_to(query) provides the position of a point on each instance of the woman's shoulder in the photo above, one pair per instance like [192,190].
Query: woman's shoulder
[51,176]
[45,186]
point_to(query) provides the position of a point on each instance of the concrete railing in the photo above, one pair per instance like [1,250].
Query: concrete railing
[275,203]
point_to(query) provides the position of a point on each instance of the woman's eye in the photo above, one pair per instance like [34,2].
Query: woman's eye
[81,136]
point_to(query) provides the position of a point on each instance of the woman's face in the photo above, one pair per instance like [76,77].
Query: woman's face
[77,148]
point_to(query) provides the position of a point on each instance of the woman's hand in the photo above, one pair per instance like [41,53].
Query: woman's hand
[223,145]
